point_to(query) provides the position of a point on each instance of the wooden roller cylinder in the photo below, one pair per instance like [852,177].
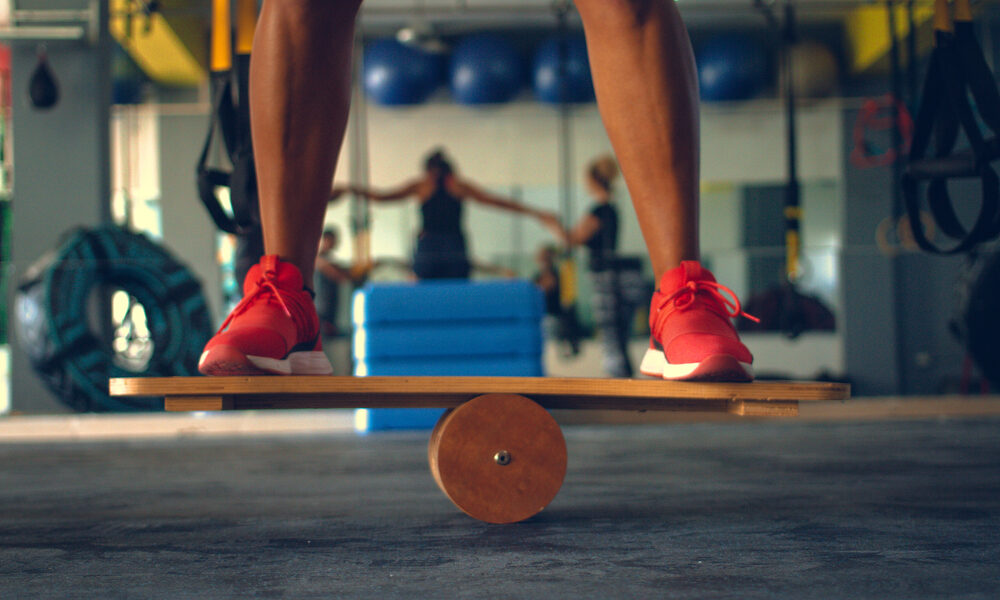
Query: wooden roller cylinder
[501,458]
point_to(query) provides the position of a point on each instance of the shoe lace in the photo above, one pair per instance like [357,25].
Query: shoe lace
[265,285]
[685,296]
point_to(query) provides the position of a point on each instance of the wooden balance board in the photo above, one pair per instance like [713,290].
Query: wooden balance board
[497,453]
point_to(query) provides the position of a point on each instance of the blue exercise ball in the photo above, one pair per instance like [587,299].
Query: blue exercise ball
[395,74]
[549,87]
[731,67]
[485,69]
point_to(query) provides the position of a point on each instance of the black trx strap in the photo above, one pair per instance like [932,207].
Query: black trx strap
[223,120]
[231,118]
[793,194]
[956,69]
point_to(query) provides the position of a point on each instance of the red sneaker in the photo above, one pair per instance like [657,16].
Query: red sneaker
[693,337]
[273,330]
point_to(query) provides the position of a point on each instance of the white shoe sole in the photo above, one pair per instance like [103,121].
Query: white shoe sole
[297,363]
[226,360]
[720,367]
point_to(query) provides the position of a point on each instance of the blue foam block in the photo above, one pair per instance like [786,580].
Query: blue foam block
[446,300]
[450,328]
[443,340]
[485,366]
[376,419]
[382,419]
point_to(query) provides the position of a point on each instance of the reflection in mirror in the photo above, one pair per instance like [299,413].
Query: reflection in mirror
[743,242]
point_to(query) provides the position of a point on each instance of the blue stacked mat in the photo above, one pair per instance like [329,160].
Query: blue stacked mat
[447,327]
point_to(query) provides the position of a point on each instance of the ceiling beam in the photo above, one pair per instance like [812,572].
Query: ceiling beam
[169,46]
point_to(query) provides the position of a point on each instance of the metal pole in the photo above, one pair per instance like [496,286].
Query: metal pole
[43,34]
[793,210]
[51,16]
[565,133]
[86,24]
[896,89]
[360,215]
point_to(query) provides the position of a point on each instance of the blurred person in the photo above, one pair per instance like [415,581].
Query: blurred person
[441,249]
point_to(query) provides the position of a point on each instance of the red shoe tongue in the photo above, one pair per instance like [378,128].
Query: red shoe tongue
[288,277]
[284,275]
[689,270]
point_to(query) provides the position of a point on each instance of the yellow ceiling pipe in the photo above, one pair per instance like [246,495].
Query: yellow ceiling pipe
[161,49]
[246,23]
[222,42]
[221,59]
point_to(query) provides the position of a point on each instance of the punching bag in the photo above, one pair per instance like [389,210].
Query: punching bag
[42,87]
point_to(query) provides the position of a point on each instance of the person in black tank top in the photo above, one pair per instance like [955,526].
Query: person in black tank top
[604,241]
[441,246]
[441,251]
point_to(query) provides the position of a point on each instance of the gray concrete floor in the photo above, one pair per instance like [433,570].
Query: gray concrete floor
[883,509]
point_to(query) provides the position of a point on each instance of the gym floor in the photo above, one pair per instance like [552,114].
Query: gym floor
[815,507]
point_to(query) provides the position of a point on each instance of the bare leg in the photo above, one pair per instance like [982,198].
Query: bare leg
[647,91]
[299,98]
[300,71]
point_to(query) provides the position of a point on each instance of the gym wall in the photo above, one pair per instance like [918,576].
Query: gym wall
[61,170]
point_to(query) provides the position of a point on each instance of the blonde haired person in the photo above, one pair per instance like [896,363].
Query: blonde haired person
[615,280]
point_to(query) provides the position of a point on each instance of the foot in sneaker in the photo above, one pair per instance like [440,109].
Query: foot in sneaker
[692,336]
[273,330]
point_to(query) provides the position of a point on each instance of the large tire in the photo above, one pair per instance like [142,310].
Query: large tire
[54,316]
